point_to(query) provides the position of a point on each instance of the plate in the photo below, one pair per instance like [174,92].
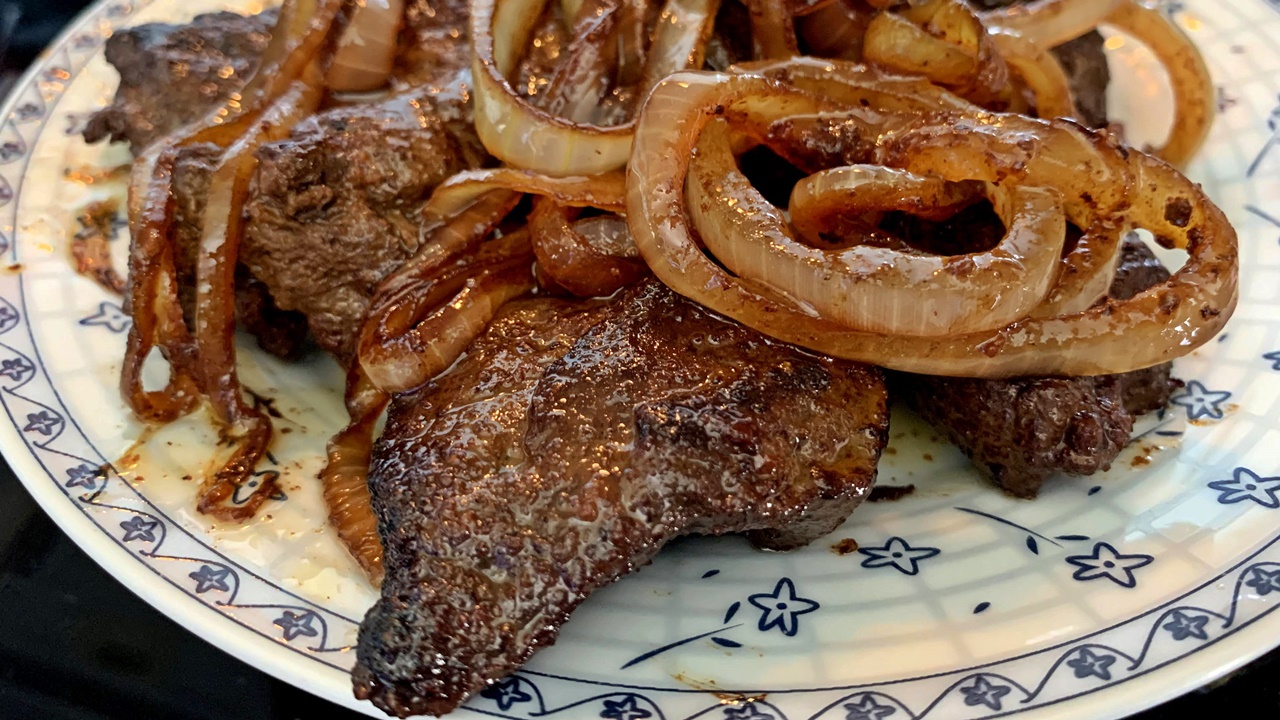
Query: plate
[1108,594]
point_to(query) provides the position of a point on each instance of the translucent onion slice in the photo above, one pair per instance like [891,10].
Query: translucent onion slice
[367,49]
[871,288]
[1195,99]
[1040,72]
[451,197]
[525,136]
[1166,321]
[1050,23]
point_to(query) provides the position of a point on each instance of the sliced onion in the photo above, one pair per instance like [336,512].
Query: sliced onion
[1195,100]
[773,32]
[592,257]
[215,317]
[585,71]
[1040,72]
[1169,320]
[446,313]
[1050,23]
[515,131]
[522,135]
[873,288]
[367,50]
[606,191]
[345,475]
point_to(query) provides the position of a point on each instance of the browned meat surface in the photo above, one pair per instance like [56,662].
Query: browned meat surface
[279,332]
[336,208]
[569,444]
[171,75]
[1019,432]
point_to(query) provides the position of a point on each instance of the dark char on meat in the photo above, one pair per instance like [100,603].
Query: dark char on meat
[565,449]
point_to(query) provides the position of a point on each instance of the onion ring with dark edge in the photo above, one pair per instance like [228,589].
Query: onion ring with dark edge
[1169,320]
[869,288]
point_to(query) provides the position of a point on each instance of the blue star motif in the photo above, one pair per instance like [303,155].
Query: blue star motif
[1274,357]
[1263,582]
[15,368]
[8,317]
[42,422]
[624,709]
[1247,485]
[506,693]
[209,578]
[139,528]
[982,692]
[109,316]
[296,624]
[899,554]
[85,476]
[782,608]
[1201,402]
[1091,664]
[1106,562]
[748,711]
[868,709]
[1183,626]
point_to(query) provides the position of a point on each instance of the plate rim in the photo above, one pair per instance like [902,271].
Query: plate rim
[1202,665]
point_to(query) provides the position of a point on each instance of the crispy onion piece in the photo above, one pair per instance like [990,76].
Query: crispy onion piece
[876,289]
[591,257]
[1050,23]
[520,134]
[1195,100]
[1166,321]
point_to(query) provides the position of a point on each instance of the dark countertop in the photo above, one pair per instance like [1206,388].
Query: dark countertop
[77,645]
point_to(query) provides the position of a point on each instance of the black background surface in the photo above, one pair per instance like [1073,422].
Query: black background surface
[77,645]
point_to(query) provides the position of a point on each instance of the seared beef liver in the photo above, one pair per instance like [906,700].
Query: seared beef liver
[1019,432]
[171,75]
[336,208]
[569,444]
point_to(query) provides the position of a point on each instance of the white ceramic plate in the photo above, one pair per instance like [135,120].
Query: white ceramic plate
[1107,595]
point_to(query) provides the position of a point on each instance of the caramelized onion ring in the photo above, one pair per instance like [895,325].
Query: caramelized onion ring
[594,257]
[1166,321]
[869,288]
[606,191]
[1195,100]
[520,134]
[1050,23]
[346,474]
